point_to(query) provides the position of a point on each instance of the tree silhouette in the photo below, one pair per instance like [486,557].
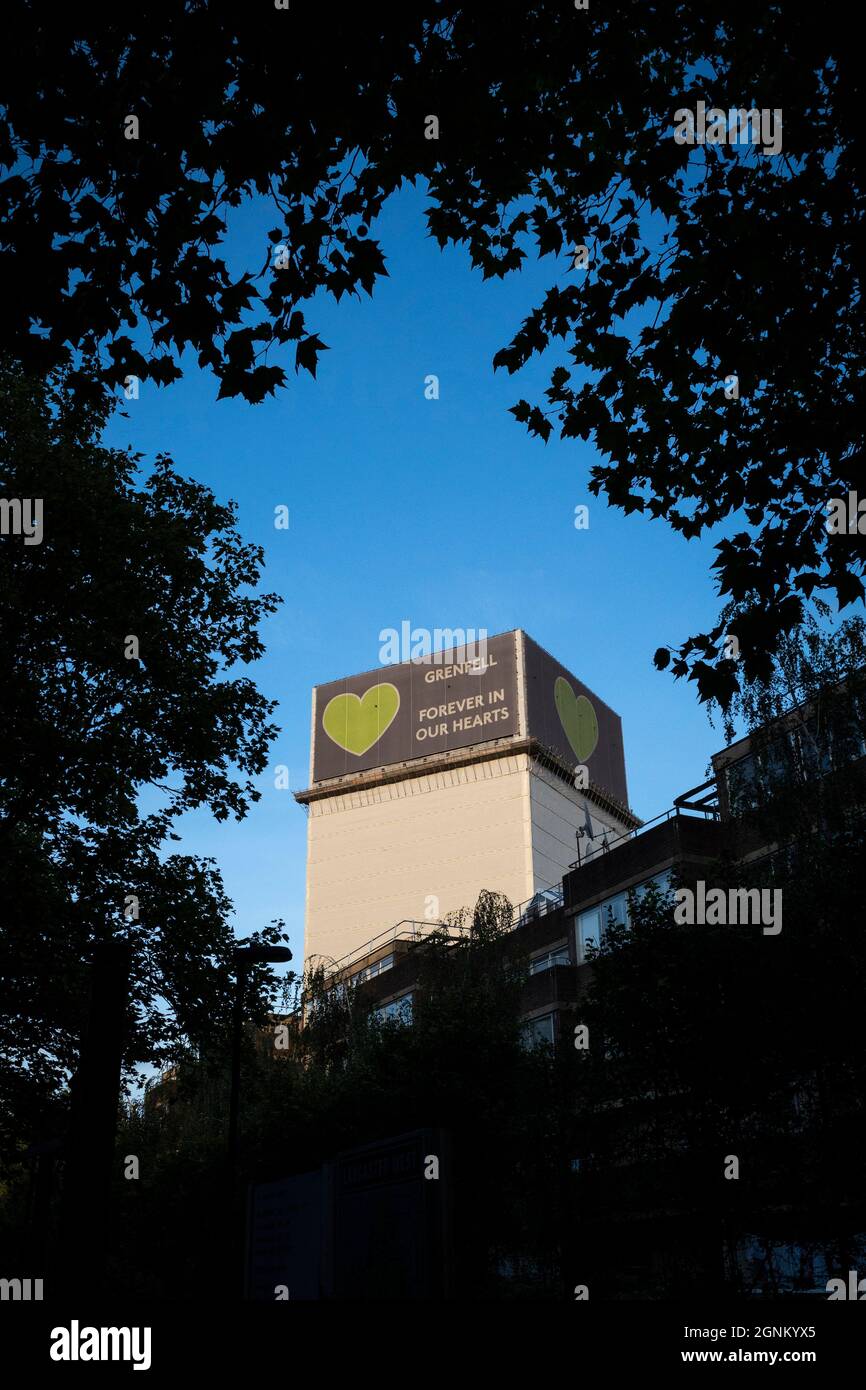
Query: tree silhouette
[707,296]
[119,711]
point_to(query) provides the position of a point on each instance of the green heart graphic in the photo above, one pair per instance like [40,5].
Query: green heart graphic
[356,723]
[577,717]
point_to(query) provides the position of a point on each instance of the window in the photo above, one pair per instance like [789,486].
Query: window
[557,956]
[593,924]
[848,738]
[588,931]
[368,971]
[396,1010]
[661,881]
[813,741]
[538,1032]
[778,762]
[617,908]
[742,784]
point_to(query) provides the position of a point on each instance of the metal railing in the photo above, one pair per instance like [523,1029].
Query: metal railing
[538,906]
[547,900]
[709,812]
[407,930]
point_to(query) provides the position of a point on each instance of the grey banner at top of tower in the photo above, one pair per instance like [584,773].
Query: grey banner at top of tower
[434,704]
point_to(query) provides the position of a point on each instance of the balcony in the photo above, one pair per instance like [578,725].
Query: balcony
[673,838]
[553,987]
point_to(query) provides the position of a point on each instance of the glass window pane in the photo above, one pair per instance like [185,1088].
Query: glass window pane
[538,1031]
[558,956]
[397,1010]
[742,784]
[588,930]
[617,908]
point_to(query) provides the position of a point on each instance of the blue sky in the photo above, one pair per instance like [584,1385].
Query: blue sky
[443,512]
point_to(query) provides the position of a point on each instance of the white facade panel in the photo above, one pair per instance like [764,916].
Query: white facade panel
[415,849]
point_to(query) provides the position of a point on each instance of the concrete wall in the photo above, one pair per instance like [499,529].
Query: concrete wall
[375,856]
[557,810]
[419,848]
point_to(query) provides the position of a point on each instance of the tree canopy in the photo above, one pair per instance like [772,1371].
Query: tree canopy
[351,1078]
[120,711]
[128,143]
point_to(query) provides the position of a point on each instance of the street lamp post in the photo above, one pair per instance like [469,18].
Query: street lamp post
[243,957]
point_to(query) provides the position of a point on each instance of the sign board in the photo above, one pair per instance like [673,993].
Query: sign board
[565,715]
[285,1238]
[371,1223]
[390,1218]
[461,697]
[428,705]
